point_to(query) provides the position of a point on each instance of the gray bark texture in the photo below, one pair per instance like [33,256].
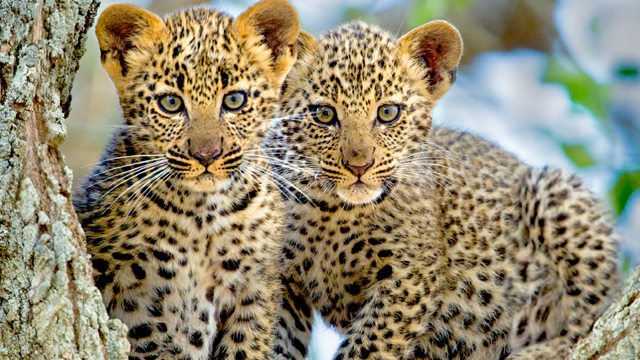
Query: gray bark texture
[49,307]
[616,335]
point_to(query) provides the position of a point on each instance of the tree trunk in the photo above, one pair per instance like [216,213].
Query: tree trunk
[49,307]
[616,335]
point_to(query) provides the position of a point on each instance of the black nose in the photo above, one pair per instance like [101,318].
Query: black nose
[205,156]
[358,170]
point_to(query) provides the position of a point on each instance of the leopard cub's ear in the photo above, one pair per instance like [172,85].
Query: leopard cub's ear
[438,47]
[121,29]
[277,23]
[306,44]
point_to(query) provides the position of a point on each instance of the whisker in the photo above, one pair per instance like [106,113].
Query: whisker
[127,176]
[144,190]
[284,180]
[135,184]
[123,157]
[257,172]
[288,117]
[131,171]
[123,166]
[429,155]
[280,163]
[307,64]
[430,145]
[131,186]
[266,153]
[430,165]
[431,177]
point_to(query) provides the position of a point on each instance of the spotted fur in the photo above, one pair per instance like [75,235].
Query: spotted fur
[181,217]
[419,242]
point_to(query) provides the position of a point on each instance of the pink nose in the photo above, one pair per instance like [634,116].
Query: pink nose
[357,170]
[205,156]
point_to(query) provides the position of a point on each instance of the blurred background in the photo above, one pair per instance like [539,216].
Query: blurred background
[556,82]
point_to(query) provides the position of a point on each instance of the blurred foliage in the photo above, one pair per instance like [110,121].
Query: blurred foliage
[582,88]
[627,183]
[578,155]
[628,71]
[490,25]
[627,267]
[352,13]
[167,7]
[424,11]
[595,97]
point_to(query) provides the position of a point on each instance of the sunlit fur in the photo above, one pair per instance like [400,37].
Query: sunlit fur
[454,249]
[187,259]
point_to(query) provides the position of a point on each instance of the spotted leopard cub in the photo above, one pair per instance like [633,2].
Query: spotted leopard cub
[416,241]
[182,220]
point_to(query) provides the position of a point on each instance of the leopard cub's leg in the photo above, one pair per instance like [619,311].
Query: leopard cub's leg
[293,325]
[246,318]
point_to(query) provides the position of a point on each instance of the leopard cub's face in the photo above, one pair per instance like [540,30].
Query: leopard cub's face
[199,88]
[357,101]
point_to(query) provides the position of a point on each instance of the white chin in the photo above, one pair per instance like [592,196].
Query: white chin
[205,182]
[359,194]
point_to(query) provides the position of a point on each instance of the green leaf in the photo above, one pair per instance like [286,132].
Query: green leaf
[596,27]
[462,3]
[421,12]
[627,183]
[578,155]
[629,71]
[582,88]
[356,14]
[627,266]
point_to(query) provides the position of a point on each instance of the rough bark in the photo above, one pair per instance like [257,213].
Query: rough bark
[49,307]
[616,335]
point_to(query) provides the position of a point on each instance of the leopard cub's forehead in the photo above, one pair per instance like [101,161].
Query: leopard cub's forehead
[361,59]
[357,40]
[200,56]
[194,28]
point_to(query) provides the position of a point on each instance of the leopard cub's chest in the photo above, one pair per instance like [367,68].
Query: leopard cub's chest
[188,247]
[337,254]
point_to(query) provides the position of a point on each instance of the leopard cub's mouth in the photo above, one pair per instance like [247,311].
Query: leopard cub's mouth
[205,176]
[205,181]
[359,193]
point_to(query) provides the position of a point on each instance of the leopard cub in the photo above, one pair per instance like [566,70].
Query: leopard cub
[416,241]
[181,216]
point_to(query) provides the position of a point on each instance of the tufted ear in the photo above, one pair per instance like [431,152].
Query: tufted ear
[277,23]
[438,46]
[122,28]
[306,44]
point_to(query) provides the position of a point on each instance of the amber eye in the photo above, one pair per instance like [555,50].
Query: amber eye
[324,114]
[234,101]
[171,104]
[388,114]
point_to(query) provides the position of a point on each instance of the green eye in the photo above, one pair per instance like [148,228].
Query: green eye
[171,104]
[324,114]
[388,114]
[234,101]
